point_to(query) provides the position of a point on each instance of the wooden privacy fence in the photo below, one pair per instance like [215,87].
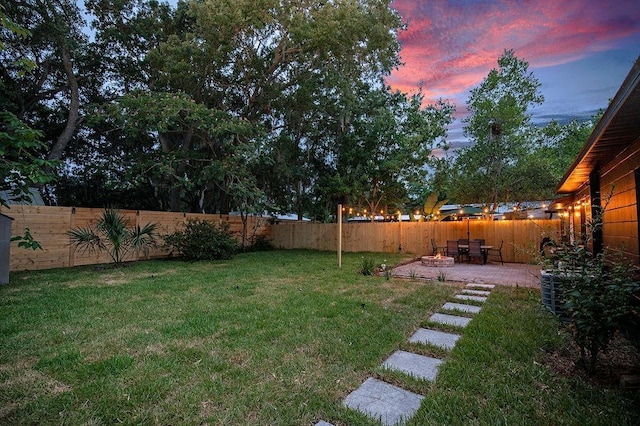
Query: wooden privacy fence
[521,237]
[49,226]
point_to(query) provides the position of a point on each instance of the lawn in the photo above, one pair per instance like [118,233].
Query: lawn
[270,338]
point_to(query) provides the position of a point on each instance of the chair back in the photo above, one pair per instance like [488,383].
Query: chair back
[463,241]
[452,248]
[474,249]
[434,246]
[482,241]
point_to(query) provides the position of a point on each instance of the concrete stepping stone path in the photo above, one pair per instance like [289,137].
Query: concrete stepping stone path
[450,319]
[387,403]
[482,286]
[418,366]
[461,307]
[476,292]
[468,297]
[434,337]
[393,405]
[323,423]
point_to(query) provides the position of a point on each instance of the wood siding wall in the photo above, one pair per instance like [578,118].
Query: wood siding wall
[521,237]
[620,224]
[49,226]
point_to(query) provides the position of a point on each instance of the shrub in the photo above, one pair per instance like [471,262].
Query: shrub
[202,240]
[261,243]
[597,298]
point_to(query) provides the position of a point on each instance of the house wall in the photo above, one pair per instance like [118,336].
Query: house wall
[620,223]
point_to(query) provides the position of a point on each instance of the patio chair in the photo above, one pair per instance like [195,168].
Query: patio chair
[452,249]
[475,251]
[434,247]
[497,251]
[481,241]
[463,251]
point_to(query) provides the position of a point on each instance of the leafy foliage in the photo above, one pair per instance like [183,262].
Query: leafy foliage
[113,234]
[203,240]
[595,290]
[432,205]
[27,241]
[21,165]
[497,166]
[597,298]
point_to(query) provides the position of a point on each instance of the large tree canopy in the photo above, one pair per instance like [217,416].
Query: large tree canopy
[501,163]
[252,105]
[277,66]
[510,159]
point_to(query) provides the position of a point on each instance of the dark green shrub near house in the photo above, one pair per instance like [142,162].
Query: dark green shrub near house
[203,240]
[597,294]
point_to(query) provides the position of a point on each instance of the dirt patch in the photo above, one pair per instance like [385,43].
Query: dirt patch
[619,360]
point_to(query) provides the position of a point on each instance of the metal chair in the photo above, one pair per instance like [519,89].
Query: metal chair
[497,251]
[475,251]
[434,247]
[452,249]
[462,251]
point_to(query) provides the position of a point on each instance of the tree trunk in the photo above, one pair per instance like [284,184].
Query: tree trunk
[73,117]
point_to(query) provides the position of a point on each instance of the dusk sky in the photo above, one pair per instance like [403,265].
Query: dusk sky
[579,50]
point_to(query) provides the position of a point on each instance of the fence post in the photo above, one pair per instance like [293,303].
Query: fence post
[72,248]
[339,235]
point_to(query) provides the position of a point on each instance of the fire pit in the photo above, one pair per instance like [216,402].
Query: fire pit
[438,260]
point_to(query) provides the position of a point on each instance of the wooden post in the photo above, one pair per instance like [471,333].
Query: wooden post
[400,231]
[72,248]
[339,235]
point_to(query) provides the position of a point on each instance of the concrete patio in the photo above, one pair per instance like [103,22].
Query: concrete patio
[509,274]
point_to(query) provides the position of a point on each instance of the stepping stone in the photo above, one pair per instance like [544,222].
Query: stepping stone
[477,292]
[434,337]
[418,366]
[484,286]
[461,307]
[467,297]
[387,403]
[450,319]
[323,423]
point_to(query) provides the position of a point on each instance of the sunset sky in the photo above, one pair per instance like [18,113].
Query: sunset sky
[579,50]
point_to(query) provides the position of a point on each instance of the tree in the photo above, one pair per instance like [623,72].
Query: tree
[501,164]
[560,144]
[385,147]
[49,97]
[21,166]
[273,64]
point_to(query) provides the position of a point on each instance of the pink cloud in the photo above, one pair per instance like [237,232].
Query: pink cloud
[450,46]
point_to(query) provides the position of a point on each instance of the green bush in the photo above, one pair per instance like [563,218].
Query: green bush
[597,298]
[203,240]
[261,243]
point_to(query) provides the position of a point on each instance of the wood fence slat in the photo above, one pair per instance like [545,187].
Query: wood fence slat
[50,225]
[521,238]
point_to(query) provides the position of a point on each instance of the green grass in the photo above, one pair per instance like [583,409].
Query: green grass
[269,338]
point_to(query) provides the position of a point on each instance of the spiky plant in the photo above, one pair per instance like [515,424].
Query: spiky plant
[113,235]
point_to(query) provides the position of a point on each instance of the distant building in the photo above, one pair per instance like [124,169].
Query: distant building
[36,198]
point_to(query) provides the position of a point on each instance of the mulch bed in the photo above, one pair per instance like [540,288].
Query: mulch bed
[620,360]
